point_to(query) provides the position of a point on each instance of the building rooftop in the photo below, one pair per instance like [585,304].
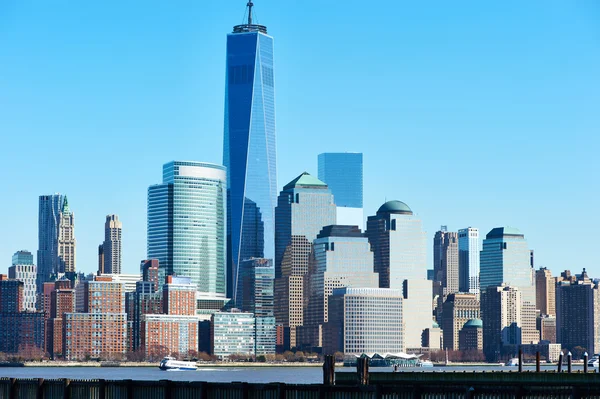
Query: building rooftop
[305,180]
[476,323]
[340,231]
[397,207]
[500,232]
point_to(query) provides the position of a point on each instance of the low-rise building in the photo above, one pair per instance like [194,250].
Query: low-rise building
[169,334]
[470,337]
[232,333]
[95,335]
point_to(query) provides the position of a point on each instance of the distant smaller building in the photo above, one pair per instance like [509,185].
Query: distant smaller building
[20,330]
[547,328]
[95,335]
[24,270]
[547,350]
[232,333]
[432,337]
[470,336]
[169,334]
[179,296]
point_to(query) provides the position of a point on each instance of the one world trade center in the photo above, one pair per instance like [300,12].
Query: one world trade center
[249,151]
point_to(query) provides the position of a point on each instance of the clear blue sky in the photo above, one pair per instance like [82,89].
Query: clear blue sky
[474,113]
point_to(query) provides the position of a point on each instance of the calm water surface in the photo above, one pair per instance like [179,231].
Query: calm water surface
[289,375]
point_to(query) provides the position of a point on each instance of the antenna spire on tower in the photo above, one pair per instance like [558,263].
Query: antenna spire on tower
[250,5]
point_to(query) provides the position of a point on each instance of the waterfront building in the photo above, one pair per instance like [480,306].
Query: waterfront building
[11,295]
[186,224]
[173,334]
[343,173]
[179,296]
[470,336]
[95,335]
[103,296]
[50,207]
[549,351]
[459,308]
[578,314]
[20,331]
[24,270]
[468,260]
[365,320]
[501,308]
[145,300]
[249,147]
[545,289]
[112,245]
[66,240]
[399,245]
[304,206]
[232,333]
[62,301]
[257,297]
[341,257]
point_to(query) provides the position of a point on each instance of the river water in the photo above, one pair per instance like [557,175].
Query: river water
[289,375]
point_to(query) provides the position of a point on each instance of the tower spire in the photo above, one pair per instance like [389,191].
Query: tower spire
[250,5]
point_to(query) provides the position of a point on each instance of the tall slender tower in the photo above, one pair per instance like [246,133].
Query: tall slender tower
[111,249]
[468,260]
[249,151]
[47,254]
[66,240]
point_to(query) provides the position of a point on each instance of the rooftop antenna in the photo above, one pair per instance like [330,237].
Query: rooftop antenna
[250,5]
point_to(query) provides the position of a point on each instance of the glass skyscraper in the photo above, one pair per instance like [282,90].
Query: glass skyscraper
[186,225]
[50,207]
[468,260]
[343,173]
[249,150]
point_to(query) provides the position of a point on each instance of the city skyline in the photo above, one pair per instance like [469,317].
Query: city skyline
[523,190]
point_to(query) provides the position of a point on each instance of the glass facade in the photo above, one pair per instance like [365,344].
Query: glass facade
[343,173]
[186,224]
[50,207]
[249,149]
[232,334]
[505,259]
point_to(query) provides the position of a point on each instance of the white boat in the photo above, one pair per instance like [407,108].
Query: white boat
[513,362]
[170,364]
[594,361]
[425,363]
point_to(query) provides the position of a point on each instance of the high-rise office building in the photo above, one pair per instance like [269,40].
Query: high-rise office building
[249,147]
[66,240]
[459,308]
[445,261]
[186,225]
[365,320]
[578,314]
[399,245]
[50,207]
[304,206]
[100,259]
[343,173]
[112,245]
[502,324]
[545,288]
[468,260]
[505,260]
[24,270]
[341,257]
[257,292]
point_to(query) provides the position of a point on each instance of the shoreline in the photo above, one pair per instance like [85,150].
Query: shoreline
[148,364]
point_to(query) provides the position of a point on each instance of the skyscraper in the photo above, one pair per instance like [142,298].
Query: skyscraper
[341,257]
[66,240]
[343,173]
[50,207]
[304,206]
[399,246]
[186,225]
[468,260]
[112,245]
[458,309]
[249,148]
[545,289]
[445,260]
[502,322]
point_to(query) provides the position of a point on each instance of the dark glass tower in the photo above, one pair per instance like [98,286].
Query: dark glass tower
[50,207]
[249,147]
